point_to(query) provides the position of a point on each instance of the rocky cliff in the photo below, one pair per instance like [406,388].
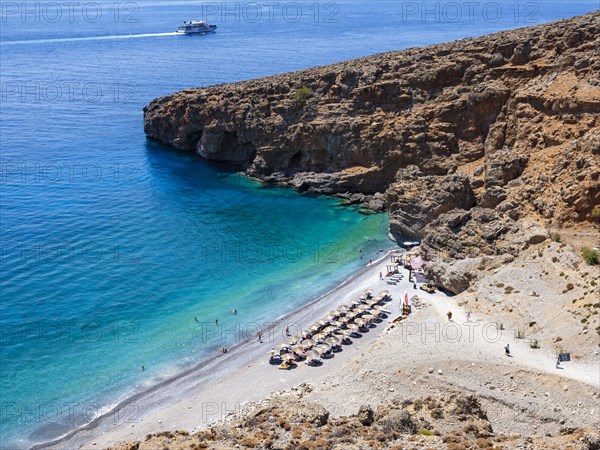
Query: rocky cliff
[475,146]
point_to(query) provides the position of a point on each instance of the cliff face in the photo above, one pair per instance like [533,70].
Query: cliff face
[508,122]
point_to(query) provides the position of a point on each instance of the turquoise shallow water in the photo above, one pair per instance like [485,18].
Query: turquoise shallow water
[111,244]
[118,272]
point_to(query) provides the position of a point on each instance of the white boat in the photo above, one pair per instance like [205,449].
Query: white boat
[200,27]
[410,244]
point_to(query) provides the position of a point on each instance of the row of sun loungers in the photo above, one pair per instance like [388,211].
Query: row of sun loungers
[326,337]
[394,279]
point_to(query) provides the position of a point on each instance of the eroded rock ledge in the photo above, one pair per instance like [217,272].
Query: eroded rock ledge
[508,123]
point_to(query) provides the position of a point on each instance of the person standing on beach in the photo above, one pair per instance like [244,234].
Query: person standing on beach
[287,330]
[259,336]
[557,365]
[468,316]
[380,276]
[507,350]
[449,315]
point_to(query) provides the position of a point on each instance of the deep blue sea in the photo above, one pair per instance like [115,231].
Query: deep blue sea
[111,244]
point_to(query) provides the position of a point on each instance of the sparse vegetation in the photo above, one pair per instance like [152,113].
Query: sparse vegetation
[534,344]
[302,95]
[555,237]
[590,256]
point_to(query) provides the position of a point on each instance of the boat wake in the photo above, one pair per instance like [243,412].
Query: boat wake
[88,38]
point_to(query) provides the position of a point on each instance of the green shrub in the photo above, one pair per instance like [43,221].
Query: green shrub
[590,256]
[302,95]
[425,432]
[555,237]
[534,344]
[596,212]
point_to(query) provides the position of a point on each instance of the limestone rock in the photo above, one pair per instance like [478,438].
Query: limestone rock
[366,415]
[509,121]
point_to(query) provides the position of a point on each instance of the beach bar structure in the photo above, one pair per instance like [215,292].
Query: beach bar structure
[395,262]
[396,257]
[393,268]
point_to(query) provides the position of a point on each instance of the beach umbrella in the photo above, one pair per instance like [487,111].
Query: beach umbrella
[330,318]
[362,297]
[342,308]
[353,326]
[354,316]
[377,299]
[308,343]
[330,329]
[283,346]
[323,323]
[379,308]
[333,341]
[298,348]
[334,312]
[337,323]
[314,327]
[292,340]
[384,294]
[320,337]
[363,308]
[368,316]
[322,348]
[361,321]
[313,354]
[287,357]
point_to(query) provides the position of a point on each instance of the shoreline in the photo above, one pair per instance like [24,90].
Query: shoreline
[210,369]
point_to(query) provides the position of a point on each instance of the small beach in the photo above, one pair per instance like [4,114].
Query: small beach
[229,381]
[417,357]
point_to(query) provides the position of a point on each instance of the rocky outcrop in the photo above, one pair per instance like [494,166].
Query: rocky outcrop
[508,123]
[418,199]
[459,244]
[284,422]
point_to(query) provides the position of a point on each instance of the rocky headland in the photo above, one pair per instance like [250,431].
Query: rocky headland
[478,147]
